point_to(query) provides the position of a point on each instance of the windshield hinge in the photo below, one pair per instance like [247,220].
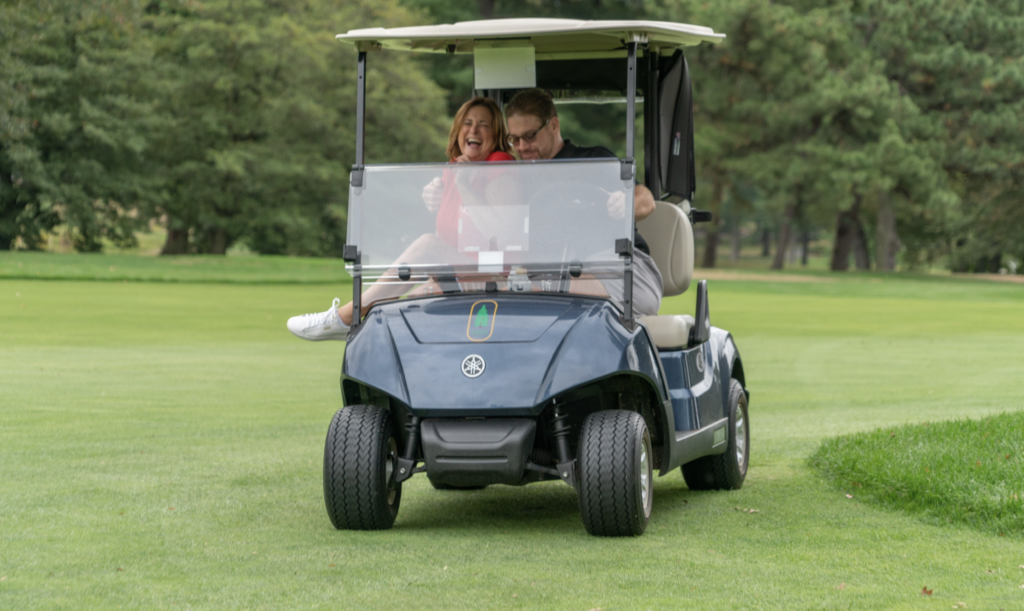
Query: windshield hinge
[624,247]
[350,254]
[626,170]
[356,178]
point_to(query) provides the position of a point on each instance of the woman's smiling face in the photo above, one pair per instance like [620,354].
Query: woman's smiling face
[476,135]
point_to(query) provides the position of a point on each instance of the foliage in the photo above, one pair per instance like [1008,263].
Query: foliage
[228,120]
[965,471]
[962,64]
[851,108]
[793,104]
[263,102]
[77,125]
[233,120]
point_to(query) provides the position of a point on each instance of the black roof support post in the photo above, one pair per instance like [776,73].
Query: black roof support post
[652,125]
[356,179]
[628,174]
[630,100]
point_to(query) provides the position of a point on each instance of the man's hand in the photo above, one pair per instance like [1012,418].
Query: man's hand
[432,194]
[617,204]
[643,203]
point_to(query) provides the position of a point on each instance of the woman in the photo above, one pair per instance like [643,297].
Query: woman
[478,134]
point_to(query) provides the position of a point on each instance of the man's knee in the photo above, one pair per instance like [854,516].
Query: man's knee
[647,285]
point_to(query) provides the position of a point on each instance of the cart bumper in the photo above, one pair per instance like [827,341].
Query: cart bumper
[477,452]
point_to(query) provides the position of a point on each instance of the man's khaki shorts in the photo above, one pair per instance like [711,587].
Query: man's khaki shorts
[647,286]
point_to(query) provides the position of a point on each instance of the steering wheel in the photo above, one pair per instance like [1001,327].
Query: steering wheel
[574,215]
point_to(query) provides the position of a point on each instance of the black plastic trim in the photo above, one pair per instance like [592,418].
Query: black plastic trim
[477,452]
[700,332]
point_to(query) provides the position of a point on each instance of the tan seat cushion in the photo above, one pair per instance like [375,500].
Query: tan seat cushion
[668,332]
[670,237]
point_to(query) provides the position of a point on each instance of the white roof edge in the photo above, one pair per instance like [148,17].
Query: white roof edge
[665,33]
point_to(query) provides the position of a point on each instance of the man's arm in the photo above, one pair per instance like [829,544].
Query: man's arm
[643,203]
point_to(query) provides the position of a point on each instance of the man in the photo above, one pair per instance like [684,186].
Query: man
[535,133]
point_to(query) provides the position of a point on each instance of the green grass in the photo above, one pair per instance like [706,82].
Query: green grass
[190,268]
[967,471]
[161,446]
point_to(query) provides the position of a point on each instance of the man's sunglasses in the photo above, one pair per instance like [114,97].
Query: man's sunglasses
[527,137]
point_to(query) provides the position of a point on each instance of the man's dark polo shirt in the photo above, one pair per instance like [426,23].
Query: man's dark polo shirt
[571,151]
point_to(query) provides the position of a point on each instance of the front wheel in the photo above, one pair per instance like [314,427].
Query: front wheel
[616,474]
[725,471]
[360,454]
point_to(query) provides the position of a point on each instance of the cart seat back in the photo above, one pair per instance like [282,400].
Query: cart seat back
[670,236]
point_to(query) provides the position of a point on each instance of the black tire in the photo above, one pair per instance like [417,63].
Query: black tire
[615,474]
[725,471]
[359,461]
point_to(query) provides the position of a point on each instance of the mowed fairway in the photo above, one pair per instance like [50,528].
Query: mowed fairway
[161,447]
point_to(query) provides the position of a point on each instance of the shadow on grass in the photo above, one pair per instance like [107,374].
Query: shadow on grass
[552,507]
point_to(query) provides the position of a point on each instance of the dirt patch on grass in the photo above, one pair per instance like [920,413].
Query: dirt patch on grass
[1015,278]
[719,274]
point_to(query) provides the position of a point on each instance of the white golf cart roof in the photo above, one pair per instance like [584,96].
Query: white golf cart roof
[551,38]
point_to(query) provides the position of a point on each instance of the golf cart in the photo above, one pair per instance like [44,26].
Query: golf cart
[514,355]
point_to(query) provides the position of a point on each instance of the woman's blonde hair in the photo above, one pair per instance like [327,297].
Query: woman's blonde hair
[498,129]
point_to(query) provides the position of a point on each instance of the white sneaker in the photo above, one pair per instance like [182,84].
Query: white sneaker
[320,325]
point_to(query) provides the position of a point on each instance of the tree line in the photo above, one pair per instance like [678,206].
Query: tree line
[895,127]
[229,120]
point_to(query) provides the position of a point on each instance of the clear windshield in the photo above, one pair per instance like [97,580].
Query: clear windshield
[523,225]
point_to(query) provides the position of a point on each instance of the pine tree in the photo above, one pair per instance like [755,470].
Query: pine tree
[480,320]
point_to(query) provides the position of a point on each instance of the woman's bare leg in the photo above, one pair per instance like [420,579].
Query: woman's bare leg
[427,247]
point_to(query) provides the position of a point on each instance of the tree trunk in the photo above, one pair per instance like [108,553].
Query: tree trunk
[847,227]
[784,236]
[219,242]
[841,245]
[711,244]
[860,247]
[734,255]
[766,242]
[176,242]
[805,243]
[887,241]
[713,229]
[989,264]
[486,8]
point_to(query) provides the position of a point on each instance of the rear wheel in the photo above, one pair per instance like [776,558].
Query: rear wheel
[725,471]
[616,474]
[360,454]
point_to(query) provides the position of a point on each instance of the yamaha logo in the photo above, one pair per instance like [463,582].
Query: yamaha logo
[473,365]
[700,359]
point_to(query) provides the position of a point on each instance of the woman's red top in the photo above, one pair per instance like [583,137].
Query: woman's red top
[448,215]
